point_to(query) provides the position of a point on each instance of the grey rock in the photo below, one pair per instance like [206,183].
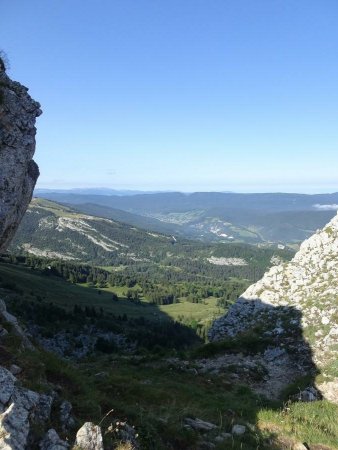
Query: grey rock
[89,437]
[273,353]
[309,394]
[226,435]
[66,418]
[205,445]
[238,430]
[15,325]
[18,112]
[126,434]
[15,370]
[199,425]
[223,437]
[17,406]
[14,428]
[18,176]
[52,441]
[43,408]
[7,380]
[25,398]
[3,332]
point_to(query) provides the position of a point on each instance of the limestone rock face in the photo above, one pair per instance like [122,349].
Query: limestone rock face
[18,407]
[18,171]
[296,298]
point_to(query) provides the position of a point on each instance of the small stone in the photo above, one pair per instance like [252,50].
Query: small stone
[101,375]
[222,437]
[226,435]
[127,435]
[15,370]
[309,394]
[205,445]
[238,430]
[3,332]
[199,425]
[299,446]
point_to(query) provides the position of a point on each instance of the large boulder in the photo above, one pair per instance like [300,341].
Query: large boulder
[18,171]
[89,437]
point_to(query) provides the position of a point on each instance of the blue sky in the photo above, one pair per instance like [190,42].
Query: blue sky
[181,94]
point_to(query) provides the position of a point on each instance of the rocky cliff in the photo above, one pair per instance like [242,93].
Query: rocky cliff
[18,171]
[26,416]
[296,306]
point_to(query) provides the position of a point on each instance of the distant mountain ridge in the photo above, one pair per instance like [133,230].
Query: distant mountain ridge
[212,216]
[177,201]
[92,191]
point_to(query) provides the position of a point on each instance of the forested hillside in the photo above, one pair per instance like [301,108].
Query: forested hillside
[54,231]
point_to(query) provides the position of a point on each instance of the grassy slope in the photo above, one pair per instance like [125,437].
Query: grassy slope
[65,294]
[151,393]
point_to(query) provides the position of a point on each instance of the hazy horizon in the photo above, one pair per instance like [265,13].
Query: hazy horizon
[139,190]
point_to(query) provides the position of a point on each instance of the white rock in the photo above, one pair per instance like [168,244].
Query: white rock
[89,437]
[325,320]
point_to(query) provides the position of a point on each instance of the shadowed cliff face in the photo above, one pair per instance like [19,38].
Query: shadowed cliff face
[18,171]
[295,305]
[284,352]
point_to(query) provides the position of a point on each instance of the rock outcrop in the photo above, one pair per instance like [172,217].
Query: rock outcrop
[23,411]
[18,174]
[14,324]
[18,171]
[19,407]
[295,305]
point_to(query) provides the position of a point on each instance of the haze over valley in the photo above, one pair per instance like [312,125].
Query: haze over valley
[260,219]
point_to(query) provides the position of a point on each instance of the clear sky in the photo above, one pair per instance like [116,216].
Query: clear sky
[185,95]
